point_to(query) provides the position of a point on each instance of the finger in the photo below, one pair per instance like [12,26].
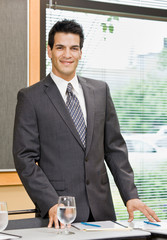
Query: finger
[131,215]
[62,225]
[153,214]
[147,215]
[148,212]
[50,222]
[56,223]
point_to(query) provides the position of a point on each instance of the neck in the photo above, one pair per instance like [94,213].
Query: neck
[65,77]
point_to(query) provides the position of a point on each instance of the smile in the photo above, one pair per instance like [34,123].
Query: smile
[66,62]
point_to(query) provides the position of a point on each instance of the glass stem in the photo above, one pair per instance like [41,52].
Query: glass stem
[66,231]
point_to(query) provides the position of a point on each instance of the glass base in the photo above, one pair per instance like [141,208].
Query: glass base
[67,232]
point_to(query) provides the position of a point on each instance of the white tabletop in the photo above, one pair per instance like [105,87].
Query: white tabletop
[52,233]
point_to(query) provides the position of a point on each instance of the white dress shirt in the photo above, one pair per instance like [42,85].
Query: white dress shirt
[77,90]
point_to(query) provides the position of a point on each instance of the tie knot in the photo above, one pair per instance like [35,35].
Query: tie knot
[69,88]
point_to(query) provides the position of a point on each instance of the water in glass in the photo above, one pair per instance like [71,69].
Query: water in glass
[3,216]
[66,215]
[66,211]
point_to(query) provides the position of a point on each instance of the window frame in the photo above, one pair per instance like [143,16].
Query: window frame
[93,7]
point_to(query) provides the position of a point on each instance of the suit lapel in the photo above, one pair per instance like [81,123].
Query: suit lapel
[55,97]
[90,107]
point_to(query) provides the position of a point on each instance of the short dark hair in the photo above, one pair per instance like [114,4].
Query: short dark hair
[66,26]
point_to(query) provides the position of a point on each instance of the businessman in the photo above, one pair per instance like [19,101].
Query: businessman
[65,128]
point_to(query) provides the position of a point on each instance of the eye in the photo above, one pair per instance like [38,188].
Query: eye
[59,47]
[75,48]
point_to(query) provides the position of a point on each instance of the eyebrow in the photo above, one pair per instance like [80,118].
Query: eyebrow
[61,45]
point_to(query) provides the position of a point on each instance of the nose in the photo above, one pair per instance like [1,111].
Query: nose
[67,53]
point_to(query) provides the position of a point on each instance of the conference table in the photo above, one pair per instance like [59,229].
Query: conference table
[52,233]
[36,229]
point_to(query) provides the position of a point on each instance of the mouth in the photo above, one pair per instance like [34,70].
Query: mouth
[66,63]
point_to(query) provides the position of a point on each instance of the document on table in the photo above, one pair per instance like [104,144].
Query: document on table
[6,236]
[140,224]
[100,226]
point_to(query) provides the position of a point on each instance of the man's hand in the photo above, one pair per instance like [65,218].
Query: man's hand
[136,204]
[53,217]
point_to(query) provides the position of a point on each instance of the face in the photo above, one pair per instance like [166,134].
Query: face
[65,55]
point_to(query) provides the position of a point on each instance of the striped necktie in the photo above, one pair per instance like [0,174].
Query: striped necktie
[76,113]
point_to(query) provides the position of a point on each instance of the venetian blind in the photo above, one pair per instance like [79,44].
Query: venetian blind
[160,4]
[131,56]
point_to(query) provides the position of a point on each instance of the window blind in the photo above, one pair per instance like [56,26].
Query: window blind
[160,4]
[131,56]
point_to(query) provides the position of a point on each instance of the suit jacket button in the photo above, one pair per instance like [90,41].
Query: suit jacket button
[87,182]
[86,159]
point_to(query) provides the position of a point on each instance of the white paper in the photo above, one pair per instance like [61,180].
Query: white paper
[104,226]
[7,236]
[139,224]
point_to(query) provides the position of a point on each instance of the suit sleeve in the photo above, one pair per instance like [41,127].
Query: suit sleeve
[26,152]
[116,154]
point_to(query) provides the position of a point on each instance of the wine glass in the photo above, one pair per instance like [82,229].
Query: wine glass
[66,211]
[3,216]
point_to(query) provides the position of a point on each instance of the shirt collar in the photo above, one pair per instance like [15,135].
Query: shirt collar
[62,84]
[75,84]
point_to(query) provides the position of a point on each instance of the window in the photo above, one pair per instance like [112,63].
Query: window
[144,3]
[130,54]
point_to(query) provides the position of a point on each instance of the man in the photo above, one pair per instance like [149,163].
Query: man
[60,150]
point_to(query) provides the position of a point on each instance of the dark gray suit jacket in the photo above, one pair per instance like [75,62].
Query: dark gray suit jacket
[51,160]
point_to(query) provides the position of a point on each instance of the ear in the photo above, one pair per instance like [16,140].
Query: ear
[49,51]
[80,55]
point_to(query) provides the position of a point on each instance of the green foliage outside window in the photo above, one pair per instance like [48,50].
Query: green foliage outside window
[141,105]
